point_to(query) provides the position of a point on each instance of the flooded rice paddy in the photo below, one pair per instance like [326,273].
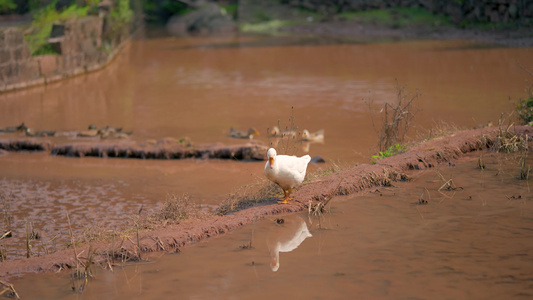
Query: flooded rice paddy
[473,242]
[199,88]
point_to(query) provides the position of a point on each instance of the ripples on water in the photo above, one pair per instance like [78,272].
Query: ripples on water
[473,242]
[189,88]
[44,204]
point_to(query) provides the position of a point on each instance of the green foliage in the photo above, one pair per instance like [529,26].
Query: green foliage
[122,14]
[231,9]
[7,5]
[392,150]
[398,17]
[44,50]
[173,7]
[525,109]
[41,26]
[161,11]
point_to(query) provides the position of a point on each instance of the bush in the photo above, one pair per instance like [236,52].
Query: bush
[6,6]
[525,109]
[41,26]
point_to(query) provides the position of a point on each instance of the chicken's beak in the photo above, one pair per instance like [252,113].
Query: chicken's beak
[271,161]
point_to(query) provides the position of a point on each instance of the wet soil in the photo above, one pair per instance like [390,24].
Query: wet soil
[171,238]
[380,243]
[199,88]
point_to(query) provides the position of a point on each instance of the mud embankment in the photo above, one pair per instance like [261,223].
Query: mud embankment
[161,150]
[171,238]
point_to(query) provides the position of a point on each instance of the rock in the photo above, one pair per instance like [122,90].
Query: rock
[318,159]
[208,19]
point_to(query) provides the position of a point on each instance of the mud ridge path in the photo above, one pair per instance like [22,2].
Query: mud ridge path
[352,180]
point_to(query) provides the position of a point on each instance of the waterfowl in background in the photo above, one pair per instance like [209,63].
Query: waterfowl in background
[286,171]
[43,133]
[239,134]
[276,132]
[317,136]
[20,128]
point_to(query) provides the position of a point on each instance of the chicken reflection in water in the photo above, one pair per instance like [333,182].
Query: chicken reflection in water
[288,234]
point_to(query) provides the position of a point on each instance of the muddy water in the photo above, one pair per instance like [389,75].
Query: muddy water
[473,242]
[199,88]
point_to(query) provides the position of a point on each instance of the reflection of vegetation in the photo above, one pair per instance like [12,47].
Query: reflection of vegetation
[41,26]
[398,17]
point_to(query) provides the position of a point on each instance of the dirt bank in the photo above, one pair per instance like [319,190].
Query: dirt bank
[165,149]
[171,238]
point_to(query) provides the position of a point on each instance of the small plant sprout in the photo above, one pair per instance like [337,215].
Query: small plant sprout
[391,151]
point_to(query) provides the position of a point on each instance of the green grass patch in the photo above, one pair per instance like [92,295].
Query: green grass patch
[265,27]
[392,150]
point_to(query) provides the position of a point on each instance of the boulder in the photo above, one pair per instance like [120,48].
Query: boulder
[208,19]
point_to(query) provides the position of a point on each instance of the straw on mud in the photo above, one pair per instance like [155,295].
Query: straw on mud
[320,207]
[524,169]
[28,244]
[8,288]
[448,184]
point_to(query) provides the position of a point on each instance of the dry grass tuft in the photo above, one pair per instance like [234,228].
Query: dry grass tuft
[7,218]
[174,210]
[524,169]
[440,129]
[395,118]
[248,196]
[332,167]
[287,141]
[508,141]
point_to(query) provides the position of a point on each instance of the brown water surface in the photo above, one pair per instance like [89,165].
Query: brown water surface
[470,243]
[199,88]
